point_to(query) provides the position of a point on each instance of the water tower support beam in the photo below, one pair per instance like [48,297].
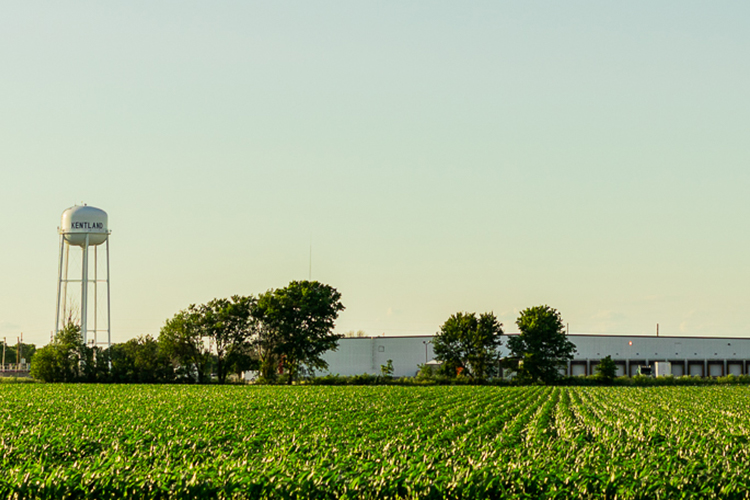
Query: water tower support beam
[109,323]
[59,289]
[65,280]
[84,290]
[96,292]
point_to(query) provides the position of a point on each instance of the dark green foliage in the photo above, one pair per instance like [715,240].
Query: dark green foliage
[184,340]
[426,372]
[228,324]
[606,370]
[541,348]
[386,370]
[216,334]
[65,359]
[140,360]
[287,330]
[27,353]
[296,327]
[45,365]
[470,344]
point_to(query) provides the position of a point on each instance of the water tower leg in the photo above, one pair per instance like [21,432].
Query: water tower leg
[65,284]
[96,293]
[84,290]
[59,284]
[109,323]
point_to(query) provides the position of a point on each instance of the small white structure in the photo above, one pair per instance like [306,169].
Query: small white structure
[83,226]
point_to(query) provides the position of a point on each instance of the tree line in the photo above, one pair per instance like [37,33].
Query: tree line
[11,356]
[468,345]
[282,333]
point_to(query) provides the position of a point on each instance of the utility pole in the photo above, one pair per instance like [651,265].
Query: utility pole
[20,348]
[4,342]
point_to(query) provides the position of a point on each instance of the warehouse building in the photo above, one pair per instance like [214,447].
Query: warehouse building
[697,356]
[356,356]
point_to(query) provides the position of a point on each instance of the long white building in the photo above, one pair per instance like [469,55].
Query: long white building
[698,356]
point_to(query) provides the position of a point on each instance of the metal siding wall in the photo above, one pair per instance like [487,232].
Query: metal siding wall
[356,356]
[653,348]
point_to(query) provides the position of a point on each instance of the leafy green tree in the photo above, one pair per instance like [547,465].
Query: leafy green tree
[91,368]
[183,338]
[228,324]
[44,366]
[242,360]
[386,370]
[216,333]
[426,372]
[606,370]
[65,359]
[140,360]
[295,326]
[469,344]
[542,347]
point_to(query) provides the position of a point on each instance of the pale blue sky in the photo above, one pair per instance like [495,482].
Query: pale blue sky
[444,156]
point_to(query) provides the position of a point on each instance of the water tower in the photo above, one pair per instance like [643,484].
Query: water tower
[83,227]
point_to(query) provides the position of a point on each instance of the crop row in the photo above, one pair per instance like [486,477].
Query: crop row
[102,441]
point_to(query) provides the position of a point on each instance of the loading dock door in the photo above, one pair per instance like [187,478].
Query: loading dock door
[735,369]
[696,370]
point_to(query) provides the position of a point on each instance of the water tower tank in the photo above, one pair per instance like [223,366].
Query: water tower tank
[79,221]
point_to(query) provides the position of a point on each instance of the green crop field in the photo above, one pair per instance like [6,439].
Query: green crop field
[104,441]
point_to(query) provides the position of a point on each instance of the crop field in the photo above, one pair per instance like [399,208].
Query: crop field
[101,441]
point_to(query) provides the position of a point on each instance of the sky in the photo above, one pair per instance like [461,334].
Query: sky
[423,158]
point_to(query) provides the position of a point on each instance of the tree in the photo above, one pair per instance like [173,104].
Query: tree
[140,360]
[296,325]
[227,322]
[27,353]
[44,366]
[542,347]
[606,370]
[386,370]
[263,352]
[469,343]
[218,331]
[64,359]
[183,339]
